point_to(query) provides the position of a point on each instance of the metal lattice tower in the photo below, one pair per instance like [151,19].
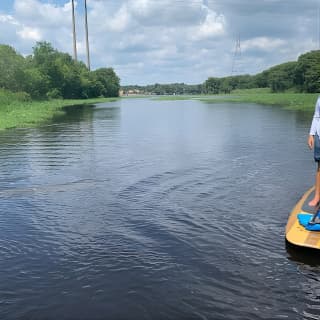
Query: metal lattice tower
[236,61]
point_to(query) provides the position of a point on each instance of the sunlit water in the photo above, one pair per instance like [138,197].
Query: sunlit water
[142,209]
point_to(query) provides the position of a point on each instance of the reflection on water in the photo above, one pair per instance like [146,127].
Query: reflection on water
[305,256]
[142,209]
[308,266]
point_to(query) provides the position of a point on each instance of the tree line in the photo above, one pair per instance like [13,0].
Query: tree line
[50,74]
[302,75]
[162,89]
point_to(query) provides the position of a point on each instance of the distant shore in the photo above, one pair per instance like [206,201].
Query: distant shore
[291,101]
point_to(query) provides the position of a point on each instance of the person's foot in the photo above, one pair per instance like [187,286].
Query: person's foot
[314,202]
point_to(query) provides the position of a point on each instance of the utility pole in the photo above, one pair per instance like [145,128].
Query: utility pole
[74,33]
[87,34]
[319,26]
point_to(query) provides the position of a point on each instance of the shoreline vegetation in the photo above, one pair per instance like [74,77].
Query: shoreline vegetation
[290,101]
[292,85]
[301,76]
[36,88]
[16,111]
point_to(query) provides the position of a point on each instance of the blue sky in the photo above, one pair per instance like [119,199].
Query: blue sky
[164,41]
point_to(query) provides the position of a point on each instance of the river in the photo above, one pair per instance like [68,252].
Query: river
[143,209]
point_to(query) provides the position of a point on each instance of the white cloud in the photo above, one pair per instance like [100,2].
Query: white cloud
[120,21]
[30,33]
[262,43]
[47,15]
[213,25]
[8,19]
[168,40]
[14,26]
[33,20]
[166,13]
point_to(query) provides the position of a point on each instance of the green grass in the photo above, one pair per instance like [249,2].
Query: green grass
[173,98]
[16,111]
[287,100]
[135,96]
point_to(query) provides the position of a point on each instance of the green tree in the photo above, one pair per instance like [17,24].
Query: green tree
[109,80]
[280,77]
[35,83]
[65,76]
[307,72]
[212,85]
[11,69]
[261,80]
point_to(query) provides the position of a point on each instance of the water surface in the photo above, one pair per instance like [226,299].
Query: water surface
[141,209]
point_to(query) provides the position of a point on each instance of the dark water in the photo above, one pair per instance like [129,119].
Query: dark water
[156,210]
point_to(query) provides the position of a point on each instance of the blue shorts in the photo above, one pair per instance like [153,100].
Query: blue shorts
[316,148]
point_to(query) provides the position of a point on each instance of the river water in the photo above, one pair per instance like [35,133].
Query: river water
[142,209]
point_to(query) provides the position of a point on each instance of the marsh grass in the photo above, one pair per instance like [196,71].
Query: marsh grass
[173,98]
[18,111]
[286,100]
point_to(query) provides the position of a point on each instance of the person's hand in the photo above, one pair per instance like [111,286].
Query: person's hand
[311,141]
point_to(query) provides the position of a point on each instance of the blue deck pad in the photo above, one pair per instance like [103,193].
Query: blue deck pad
[304,219]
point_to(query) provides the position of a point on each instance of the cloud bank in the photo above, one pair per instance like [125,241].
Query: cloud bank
[148,41]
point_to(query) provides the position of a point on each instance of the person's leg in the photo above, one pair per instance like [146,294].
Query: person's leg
[314,202]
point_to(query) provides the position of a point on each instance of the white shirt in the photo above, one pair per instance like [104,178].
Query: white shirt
[315,125]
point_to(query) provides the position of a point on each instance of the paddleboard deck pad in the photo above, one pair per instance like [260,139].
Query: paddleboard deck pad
[305,220]
[299,230]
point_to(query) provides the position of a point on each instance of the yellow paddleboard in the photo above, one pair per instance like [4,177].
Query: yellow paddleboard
[296,233]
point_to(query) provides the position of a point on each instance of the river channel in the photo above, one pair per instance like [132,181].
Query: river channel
[145,209]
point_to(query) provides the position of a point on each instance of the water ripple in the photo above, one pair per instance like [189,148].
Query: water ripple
[132,213]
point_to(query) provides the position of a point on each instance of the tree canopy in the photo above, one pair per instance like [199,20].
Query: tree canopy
[299,76]
[48,73]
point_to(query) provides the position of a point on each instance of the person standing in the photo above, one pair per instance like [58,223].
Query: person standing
[314,143]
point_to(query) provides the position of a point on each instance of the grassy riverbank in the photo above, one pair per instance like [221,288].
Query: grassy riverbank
[287,100]
[16,111]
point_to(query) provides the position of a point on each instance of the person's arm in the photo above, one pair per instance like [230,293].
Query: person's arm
[314,124]
[311,141]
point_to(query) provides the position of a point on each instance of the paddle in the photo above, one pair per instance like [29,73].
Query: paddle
[316,216]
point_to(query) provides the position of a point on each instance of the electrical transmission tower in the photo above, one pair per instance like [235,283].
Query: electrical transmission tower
[236,61]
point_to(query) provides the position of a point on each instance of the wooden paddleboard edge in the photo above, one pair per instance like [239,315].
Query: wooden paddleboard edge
[297,234]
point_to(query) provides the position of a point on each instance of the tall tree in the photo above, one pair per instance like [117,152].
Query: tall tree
[109,80]
[11,68]
[307,73]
